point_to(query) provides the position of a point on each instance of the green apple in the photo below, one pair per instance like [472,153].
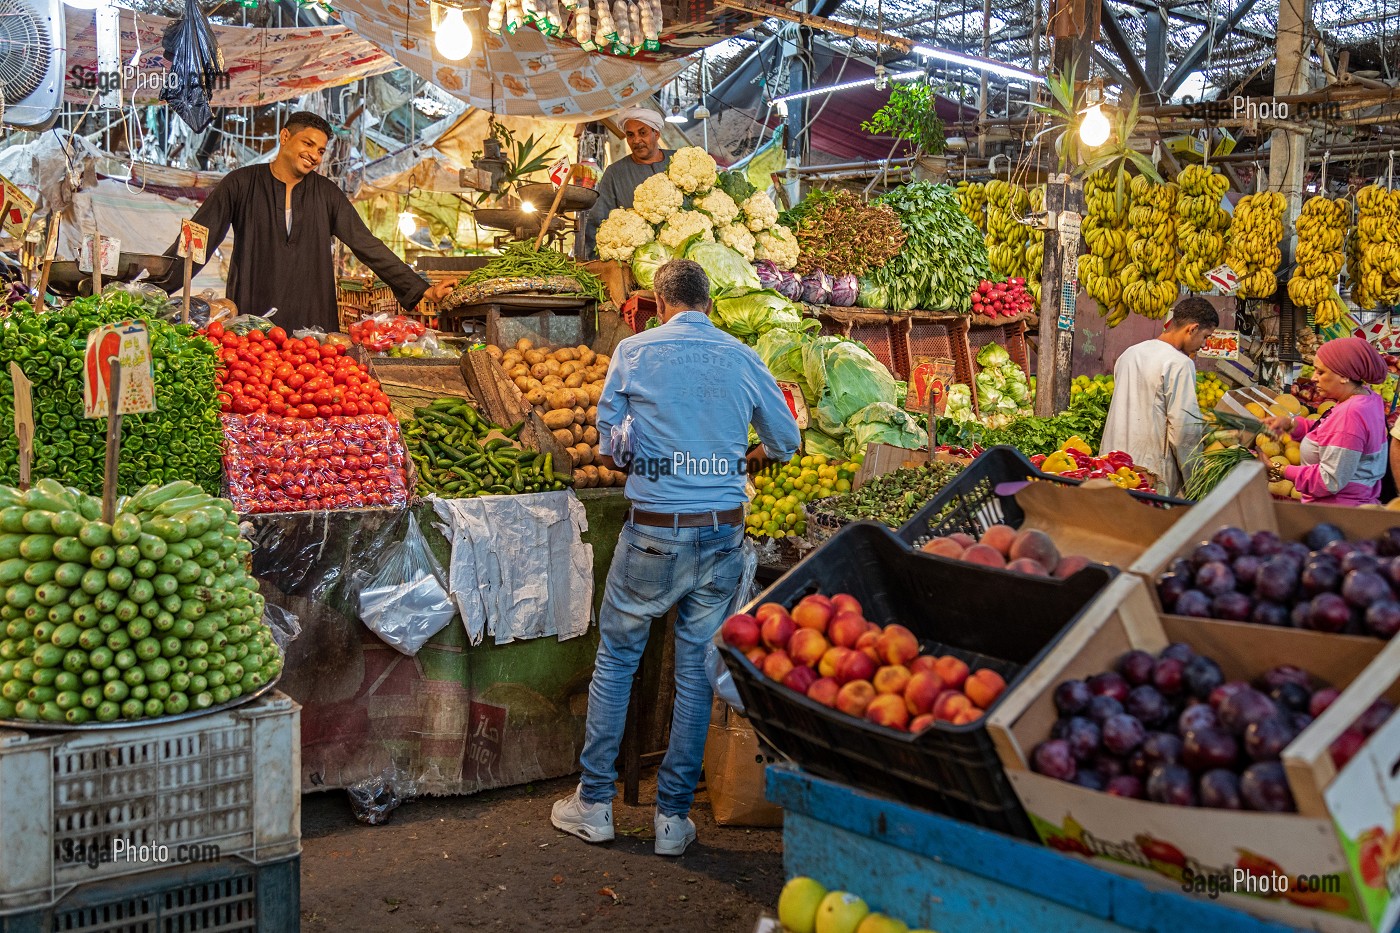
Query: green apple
[840,912]
[797,905]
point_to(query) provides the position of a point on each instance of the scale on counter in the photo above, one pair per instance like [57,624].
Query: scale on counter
[522,224]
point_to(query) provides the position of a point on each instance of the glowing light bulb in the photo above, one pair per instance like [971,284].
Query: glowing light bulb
[453,39]
[1094,127]
[527,207]
[408,224]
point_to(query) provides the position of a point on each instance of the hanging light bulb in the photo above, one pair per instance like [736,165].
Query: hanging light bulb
[452,38]
[408,224]
[527,207]
[675,116]
[882,79]
[1094,127]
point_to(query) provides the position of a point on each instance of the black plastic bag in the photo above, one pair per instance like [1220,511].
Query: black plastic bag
[195,64]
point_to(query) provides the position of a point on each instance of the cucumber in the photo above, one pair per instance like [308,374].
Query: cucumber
[177,703]
[107,711]
[12,519]
[148,649]
[90,508]
[66,680]
[92,697]
[50,594]
[71,549]
[67,523]
[152,547]
[197,522]
[94,534]
[101,657]
[169,530]
[61,614]
[94,581]
[41,572]
[49,495]
[12,571]
[139,628]
[128,556]
[20,595]
[145,569]
[90,640]
[37,521]
[140,591]
[66,635]
[77,715]
[70,574]
[133,709]
[10,496]
[126,529]
[103,557]
[37,547]
[48,657]
[9,544]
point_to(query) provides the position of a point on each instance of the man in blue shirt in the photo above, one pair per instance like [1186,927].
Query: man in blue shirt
[676,409]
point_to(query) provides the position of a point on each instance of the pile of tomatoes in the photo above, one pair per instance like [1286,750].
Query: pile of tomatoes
[275,374]
[381,332]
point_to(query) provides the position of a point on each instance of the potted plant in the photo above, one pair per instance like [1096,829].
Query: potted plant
[911,114]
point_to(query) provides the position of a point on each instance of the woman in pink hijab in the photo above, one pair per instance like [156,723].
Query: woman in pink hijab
[1342,453]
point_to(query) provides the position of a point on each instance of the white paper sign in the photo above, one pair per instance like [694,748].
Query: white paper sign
[111,255]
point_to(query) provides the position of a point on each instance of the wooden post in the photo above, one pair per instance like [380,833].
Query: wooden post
[189,273]
[24,422]
[50,243]
[114,443]
[1288,149]
[554,208]
[97,264]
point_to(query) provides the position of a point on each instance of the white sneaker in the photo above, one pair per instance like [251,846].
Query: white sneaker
[673,834]
[591,822]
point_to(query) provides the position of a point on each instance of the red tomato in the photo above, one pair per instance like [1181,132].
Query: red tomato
[305,410]
[277,335]
[296,380]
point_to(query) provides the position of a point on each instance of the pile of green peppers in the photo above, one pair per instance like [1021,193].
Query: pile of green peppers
[181,439]
[459,454]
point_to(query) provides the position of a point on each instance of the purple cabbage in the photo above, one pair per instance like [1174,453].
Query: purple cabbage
[845,290]
[790,287]
[816,288]
[769,275]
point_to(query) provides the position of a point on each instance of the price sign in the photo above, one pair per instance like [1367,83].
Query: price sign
[928,385]
[1224,279]
[18,207]
[1222,345]
[792,394]
[129,343]
[1069,270]
[194,239]
[111,255]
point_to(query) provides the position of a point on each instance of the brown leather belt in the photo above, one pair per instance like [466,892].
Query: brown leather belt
[687,519]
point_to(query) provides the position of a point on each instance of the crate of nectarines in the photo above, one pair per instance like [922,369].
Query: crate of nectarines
[875,665]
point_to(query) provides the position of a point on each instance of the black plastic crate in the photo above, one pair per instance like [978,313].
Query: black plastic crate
[971,504]
[987,617]
[230,895]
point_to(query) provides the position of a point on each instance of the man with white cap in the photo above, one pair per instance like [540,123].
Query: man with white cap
[642,128]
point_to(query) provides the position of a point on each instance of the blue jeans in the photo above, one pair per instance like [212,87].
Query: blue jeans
[653,569]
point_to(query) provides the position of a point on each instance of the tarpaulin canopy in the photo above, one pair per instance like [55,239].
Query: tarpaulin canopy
[264,65]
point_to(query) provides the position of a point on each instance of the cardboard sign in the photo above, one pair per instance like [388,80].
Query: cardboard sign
[193,240]
[1224,279]
[129,342]
[111,255]
[18,207]
[559,171]
[792,394]
[929,380]
[1222,345]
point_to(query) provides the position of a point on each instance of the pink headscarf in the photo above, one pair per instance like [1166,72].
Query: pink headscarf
[1353,358]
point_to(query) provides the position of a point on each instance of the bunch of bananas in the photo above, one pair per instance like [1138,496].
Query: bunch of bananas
[1201,224]
[1322,229]
[1034,262]
[972,198]
[1252,247]
[1149,279]
[1106,239]
[1006,235]
[1374,260]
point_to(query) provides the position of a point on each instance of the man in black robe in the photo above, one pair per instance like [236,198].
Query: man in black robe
[283,216]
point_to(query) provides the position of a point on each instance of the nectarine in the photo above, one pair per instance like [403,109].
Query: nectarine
[845,629]
[887,709]
[1070,565]
[777,665]
[777,629]
[999,537]
[983,687]
[854,697]
[856,665]
[824,691]
[740,631]
[923,688]
[949,703]
[813,612]
[984,554]
[756,657]
[800,679]
[892,678]
[807,646]
[924,662]
[1037,546]
[769,609]
[827,665]
[897,645]
[971,714]
[944,547]
[845,602]
[920,723]
[965,540]
[1027,566]
[953,671]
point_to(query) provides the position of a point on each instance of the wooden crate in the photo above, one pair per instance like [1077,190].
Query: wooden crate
[940,336]
[504,403]
[411,383]
[886,335]
[1011,335]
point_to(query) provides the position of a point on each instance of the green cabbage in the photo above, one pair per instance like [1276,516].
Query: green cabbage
[728,271]
[816,443]
[751,313]
[646,260]
[959,406]
[872,295]
[882,423]
[844,378]
[781,351]
[993,354]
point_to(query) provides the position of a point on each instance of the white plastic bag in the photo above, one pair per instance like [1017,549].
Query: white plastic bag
[405,603]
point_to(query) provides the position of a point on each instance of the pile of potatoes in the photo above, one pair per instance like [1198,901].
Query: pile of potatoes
[564,385]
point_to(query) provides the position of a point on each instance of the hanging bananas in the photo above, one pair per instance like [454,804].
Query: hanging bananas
[1034,262]
[1201,224]
[972,198]
[1149,279]
[1006,235]
[1252,248]
[1374,248]
[1106,239]
[1318,258]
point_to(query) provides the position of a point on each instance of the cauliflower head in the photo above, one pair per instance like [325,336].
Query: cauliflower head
[760,213]
[719,206]
[621,233]
[685,224]
[693,170]
[738,238]
[777,245]
[656,199]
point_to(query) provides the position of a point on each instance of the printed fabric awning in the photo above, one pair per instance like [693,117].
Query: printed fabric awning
[264,65]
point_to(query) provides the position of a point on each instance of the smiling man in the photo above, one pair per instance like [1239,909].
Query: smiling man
[642,129]
[283,216]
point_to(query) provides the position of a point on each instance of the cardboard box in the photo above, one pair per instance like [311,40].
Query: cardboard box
[1187,146]
[734,766]
[1189,848]
[886,458]
[1103,524]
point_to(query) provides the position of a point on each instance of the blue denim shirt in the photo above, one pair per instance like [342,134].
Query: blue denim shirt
[691,391]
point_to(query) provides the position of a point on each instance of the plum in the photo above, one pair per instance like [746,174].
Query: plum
[1361,588]
[1136,667]
[1264,787]
[1382,618]
[1205,553]
[1291,697]
[1161,748]
[1321,574]
[1345,746]
[1286,674]
[1197,716]
[1301,721]
[1171,784]
[1301,615]
[1125,785]
[1167,675]
[1322,535]
[1245,707]
[1328,612]
[1090,779]
[1109,684]
[1246,570]
[1226,690]
[1110,766]
[1147,704]
[1083,736]
[1266,739]
[1215,577]
[1375,716]
[1169,589]
[1204,749]
[1193,603]
[1202,675]
[1265,543]
[1392,572]
[1360,560]
[1298,551]
[1321,700]
[1053,758]
[1072,697]
[1182,567]
[1178,650]
[1101,709]
[1122,734]
[1388,544]
[1232,607]
[1220,790]
[1235,541]
[1339,551]
[1277,579]
[1267,613]
[1368,548]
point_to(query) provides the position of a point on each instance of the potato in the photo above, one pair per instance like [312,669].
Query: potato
[565,354]
[564,437]
[595,392]
[605,476]
[538,371]
[586,356]
[555,420]
[522,383]
[582,480]
[592,472]
[552,366]
[524,344]
[577,434]
[536,396]
[602,361]
[570,367]
[590,435]
[581,453]
[590,415]
[573,381]
[534,356]
[519,369]
[580,414]
[581,398]
[553,382]
[561,399]
[495,352]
